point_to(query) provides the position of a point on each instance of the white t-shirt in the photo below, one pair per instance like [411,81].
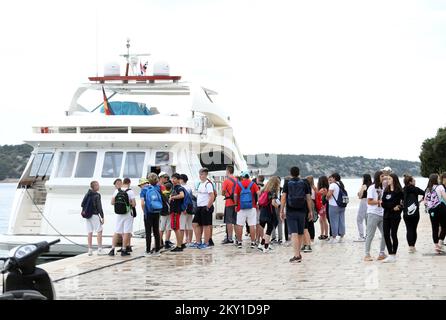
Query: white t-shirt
[130,193]
[335,188]
[204,191]
[373,193]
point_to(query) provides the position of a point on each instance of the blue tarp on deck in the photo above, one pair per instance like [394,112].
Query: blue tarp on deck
[127,108]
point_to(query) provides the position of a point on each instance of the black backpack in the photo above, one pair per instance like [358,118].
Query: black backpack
[296,197]
[122,202]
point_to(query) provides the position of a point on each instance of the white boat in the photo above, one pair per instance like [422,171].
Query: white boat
[160,123]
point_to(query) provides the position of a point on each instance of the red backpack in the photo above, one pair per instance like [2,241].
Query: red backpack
[263,199]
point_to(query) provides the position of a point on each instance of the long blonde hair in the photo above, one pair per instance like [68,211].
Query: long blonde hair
[273,185]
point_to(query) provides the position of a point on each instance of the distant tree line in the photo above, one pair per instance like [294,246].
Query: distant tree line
[433,154]
[318,165]
[13,159]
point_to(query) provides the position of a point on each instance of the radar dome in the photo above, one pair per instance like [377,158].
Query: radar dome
[161,68]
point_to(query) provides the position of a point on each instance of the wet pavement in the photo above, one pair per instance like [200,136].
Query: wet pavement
[331,271]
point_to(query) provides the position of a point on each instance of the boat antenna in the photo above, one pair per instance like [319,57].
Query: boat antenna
[128,57]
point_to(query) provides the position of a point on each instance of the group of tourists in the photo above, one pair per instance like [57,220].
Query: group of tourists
[271,213]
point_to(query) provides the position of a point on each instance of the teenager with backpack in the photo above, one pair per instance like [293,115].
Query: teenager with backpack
[245,198]
[152,204]
[435,198]
[187,215]
[375,214]
[202,221]
[296,196]
[94,215]
[411,210]
[176,201]
[123,200]
[337,201]
[268,204]
[392,203]
[230,214]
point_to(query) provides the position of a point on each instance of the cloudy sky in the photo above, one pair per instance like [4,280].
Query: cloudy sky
[314,77]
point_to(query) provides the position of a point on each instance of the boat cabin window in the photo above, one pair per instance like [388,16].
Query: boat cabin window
[86,164]
[66,164]
[112,164]
[134,163]
[42,165]
[170,170]
[163,158]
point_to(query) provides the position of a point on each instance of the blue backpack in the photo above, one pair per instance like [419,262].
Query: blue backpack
[188,204]
[153,200]
[342,199]
[246,196]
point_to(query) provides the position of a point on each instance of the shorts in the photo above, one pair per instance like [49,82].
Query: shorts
[165,223]
[175,221]
[124,223]
[247,215]
[203,216]
[230,215]
[296,222]
[186,221]
[93,224]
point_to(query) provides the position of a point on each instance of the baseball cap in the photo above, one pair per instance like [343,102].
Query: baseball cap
[142,181]
[244,174]
[163,174]
[388,169]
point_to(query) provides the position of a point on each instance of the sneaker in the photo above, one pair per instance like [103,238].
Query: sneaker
[308,249]
[168,242]
[360,239]
[382,256]
[333,241]
[183,246]
[112,253]
[239,244]
[203,246]
[296,259]
[167,246]
[390,259]
[226,241]
[264,250]
[124,253]
[303,248]
[253,245]
[280,242]
[273,240]
[211,243]
[101,252]
[129,249]
[177,249]
[321,237]
[192,245]
[368,258]
[412,250]
[156,254]
[260,247]
[147,254]
[90,252]
[341,239]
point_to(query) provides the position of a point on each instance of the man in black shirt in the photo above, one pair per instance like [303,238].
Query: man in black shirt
[176,200]
[296,196]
